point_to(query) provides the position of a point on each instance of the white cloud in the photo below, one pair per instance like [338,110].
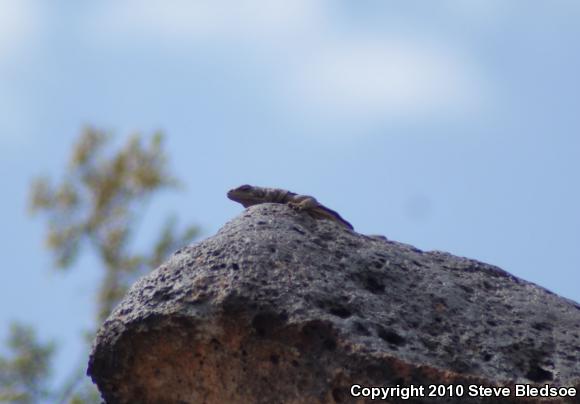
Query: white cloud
[483,13]
[18,22]
[404,78]
[208,19]
[321,68]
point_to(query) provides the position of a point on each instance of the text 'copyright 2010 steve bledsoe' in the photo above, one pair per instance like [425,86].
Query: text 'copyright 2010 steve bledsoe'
[459,390]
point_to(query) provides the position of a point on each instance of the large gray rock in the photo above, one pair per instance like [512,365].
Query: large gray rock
[280,307]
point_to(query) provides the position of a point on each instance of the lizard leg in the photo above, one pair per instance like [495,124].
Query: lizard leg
[306,203]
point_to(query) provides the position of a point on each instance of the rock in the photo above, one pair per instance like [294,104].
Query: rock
[278,307]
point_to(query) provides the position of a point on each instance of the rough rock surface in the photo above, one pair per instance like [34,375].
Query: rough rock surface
[278,307]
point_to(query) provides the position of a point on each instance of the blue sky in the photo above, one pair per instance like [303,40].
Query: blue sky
[450,125]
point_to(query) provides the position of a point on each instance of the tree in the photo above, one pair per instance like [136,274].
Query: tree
[97,206]
[24,375]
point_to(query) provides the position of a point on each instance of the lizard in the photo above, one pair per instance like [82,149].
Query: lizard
[249,195]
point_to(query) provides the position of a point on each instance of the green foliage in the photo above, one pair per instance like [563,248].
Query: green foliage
[24,374]
[97,205]
[87,394]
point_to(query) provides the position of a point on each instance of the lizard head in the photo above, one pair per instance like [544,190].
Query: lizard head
[241,190]
[247,195]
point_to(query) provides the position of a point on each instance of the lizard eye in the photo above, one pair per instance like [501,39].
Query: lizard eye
[245,187]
